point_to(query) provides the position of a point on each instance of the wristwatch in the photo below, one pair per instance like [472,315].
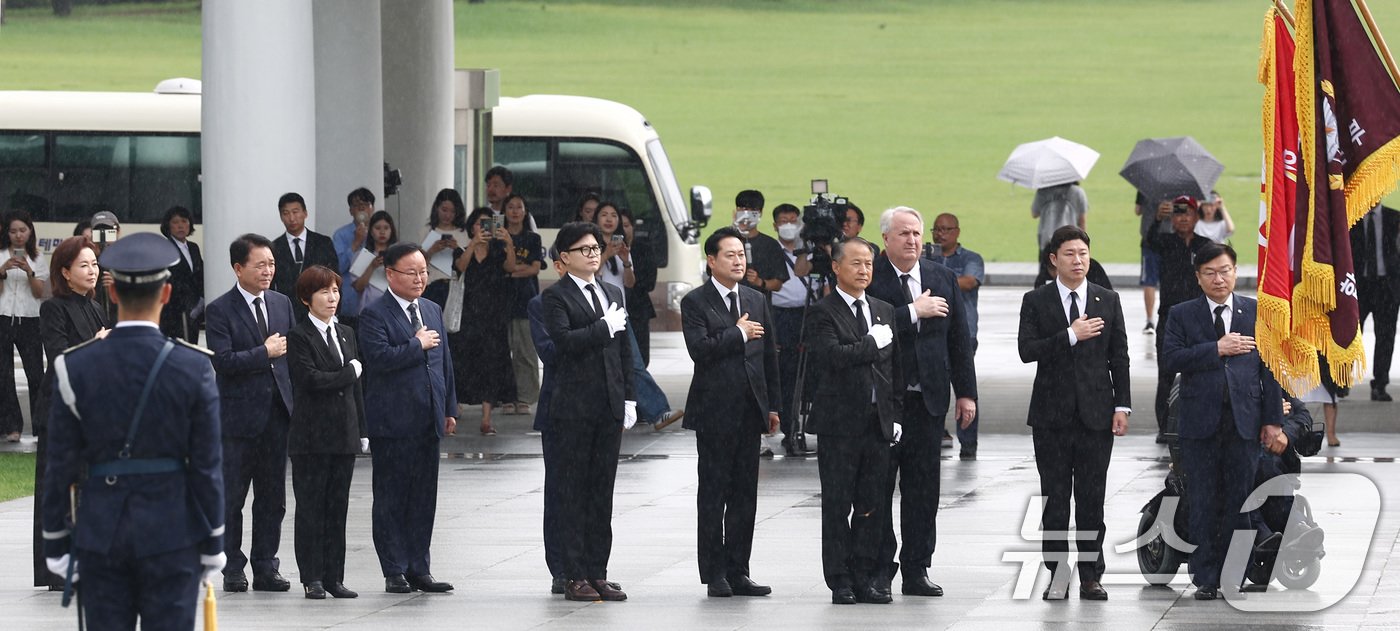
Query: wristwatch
[31,273]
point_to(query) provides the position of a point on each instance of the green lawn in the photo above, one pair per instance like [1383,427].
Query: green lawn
[913,103]
[16,475]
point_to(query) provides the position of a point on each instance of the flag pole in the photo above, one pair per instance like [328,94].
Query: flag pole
[1287,15]
[1380,41]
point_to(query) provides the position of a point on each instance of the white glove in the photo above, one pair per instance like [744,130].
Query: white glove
[59,566]
[882,334]
[364,445]
[359,368]
[213,565]
[898,432]
[629,414]
[616,319]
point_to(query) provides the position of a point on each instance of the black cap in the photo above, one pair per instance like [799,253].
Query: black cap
[105,219]
[140,259]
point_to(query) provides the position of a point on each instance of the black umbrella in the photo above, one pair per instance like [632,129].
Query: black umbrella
[1163,168]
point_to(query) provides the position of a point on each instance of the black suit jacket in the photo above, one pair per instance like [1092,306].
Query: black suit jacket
[328,405]
[248,380]
[729,372]
[592,368]
[936,351]
[1094,370]
[318,250]
[1390,245]
[186,290]
[64,322]
[848,365]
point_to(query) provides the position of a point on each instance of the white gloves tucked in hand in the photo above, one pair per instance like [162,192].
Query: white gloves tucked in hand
[882,334]
[898,433]
[364,445]
[359,368]
[213,565]
[629,414]
[59,566]
[616,319]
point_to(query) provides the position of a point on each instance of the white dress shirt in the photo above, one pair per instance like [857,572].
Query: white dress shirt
[1228,315]
[1083,295]
[865,311]
[738,302]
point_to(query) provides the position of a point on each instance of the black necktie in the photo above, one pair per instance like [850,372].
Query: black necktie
[597,305]
[296,250]
[904,282]
[262,319]
[861,326]
[734,305]
[413,320]
[1219,321]
[330,343]
[1073,307]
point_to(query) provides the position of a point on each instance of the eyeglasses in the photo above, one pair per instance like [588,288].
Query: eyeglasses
[944,228]
[1224,272]
[415,274]
[587,250]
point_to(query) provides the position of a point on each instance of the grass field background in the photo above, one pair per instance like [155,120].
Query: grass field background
[914,103]
[16,475]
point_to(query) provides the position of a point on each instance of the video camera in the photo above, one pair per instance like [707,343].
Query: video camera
[821,226]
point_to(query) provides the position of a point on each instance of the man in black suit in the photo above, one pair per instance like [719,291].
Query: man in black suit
[733,402]
[592,363]
[247,330]
[1074,331]
[1375,252]
[931,324]
[410,404]
[298,249]
[855,414]
[1176,255]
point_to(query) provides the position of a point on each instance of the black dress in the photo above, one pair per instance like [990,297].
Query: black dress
[481,349]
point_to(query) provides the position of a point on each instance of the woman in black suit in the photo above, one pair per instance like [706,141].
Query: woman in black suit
[70,318]
[186,277]
[327,430]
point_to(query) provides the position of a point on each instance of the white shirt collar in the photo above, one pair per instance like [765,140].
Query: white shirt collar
[248,298]
[583,285]
[913,273]
[124,324]
[320,326]
[1229,303]
[723,291]
[850,300]
[1083,291]
[301,236]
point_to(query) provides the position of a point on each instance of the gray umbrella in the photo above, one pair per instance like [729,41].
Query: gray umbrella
[1163,168]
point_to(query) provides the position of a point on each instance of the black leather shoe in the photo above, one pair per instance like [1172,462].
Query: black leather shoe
[719,588]
[1207,593]
[1053,593]
[426,583]
[580,591]
[1378,393]
[397,584]
[843,596]
[556,586]
[1092,590]
[236,582]
[314,590]
[968,452]
[270,582]
[872,594]
[744,586]
[920,586]
[339,590]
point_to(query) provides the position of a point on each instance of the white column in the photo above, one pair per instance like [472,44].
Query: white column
[259,121]
[349,108]
[417,48]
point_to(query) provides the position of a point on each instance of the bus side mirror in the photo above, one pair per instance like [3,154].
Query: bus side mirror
[701,205]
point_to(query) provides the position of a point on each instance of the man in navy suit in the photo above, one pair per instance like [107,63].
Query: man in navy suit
[1080,400]
[592,364]
[410,403]
[733,401]
[936,346]
[1230,405]
[135,424]
[247,329]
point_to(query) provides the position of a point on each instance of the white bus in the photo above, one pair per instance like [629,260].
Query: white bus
[67,155]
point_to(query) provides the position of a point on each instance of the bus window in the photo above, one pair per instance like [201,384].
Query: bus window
[24,174]
[136,177]
[528,161]
[617,174]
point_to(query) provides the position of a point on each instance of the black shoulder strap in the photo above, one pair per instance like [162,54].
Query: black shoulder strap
[145,395]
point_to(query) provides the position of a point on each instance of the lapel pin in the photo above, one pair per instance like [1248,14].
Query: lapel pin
[1096,298]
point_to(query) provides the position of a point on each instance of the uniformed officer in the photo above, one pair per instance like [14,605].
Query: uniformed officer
[135,427]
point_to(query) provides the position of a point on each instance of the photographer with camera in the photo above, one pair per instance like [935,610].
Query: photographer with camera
[348,240]
[789,306]
[767,272]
